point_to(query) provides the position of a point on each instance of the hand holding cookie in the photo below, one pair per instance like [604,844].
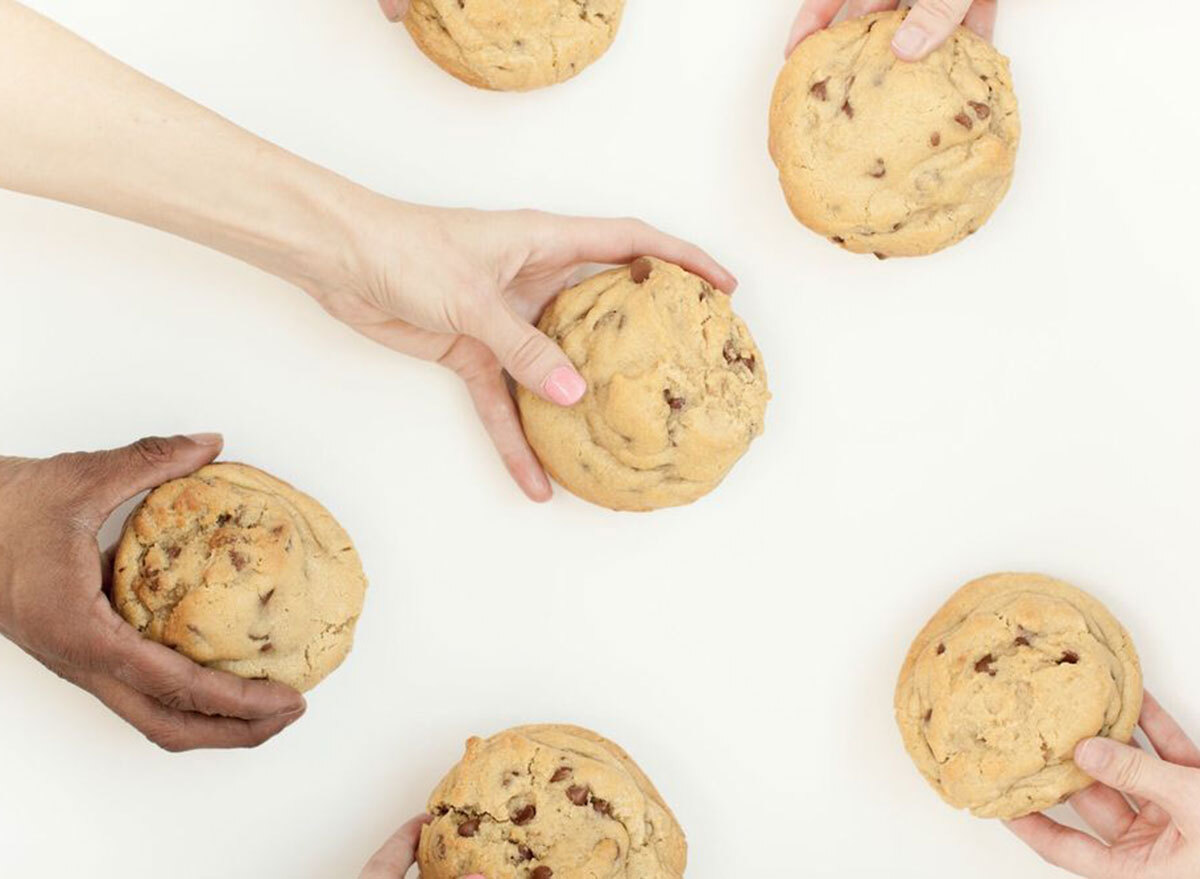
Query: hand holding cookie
[929,24]
[1145,810]
[396,856]
[53,606]
[462,288]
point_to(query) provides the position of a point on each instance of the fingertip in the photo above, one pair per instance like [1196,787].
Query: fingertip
[564,386]
[911,42]
[206,439]
[1089,754]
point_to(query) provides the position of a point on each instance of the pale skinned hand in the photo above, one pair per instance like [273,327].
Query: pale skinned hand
[462,288]
[396,857]
[929,24]
[1145,810]
[53,605]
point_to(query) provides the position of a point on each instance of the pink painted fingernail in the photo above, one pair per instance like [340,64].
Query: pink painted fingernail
[910,41]
[565,386]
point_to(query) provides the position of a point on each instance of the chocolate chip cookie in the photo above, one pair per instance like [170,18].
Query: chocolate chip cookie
[239,571]
[1002,684]
[676,389]
[549,802]
[514,45]
[890,157]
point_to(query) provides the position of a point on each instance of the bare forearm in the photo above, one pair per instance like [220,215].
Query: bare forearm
[81,127]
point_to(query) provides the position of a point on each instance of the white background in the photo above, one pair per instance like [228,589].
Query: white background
[1025,400]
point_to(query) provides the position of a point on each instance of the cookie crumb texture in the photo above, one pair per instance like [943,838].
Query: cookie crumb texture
[676,389]
[888,157]
[239,571]
[1002,684]
[514,45]
[549,802]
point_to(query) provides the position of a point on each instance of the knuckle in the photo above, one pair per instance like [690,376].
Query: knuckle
[153,450]
[168,734]
[525,354]
[1129,771]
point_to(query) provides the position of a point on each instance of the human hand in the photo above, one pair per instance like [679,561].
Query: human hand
[929,24]
[462,287]
[1146,810]
[53,605]
[396,856]
[394,9]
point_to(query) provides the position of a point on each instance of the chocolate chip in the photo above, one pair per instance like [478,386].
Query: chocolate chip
[941,649]
[542,872]
[602,806]
[524,853]
[578,794]
[468,828]
[263,599]
[935,139]
[524,816]
[965,121]
[847,109]
[676,403]
[1021,641]
[1070,658]
[879,169]
[238,560]
[928,715]
[223,519]
[732,356]
[640,270]
[838,239]
[819,91]
[982,111]
[267,648]
[880,256]
[560,774]
[984,666]
[173,552]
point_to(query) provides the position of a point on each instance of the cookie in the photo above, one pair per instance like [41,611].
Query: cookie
[676,389]
[1002,684]
[549,802]
[514,45]
[890,157]
[239,571]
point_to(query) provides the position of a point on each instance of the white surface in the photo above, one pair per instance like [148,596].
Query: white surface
[1025,400]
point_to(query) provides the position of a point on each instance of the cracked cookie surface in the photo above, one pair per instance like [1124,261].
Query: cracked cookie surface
[549,802]
[889,157]
[1002,684]
[514,45]
[239,571]
[676,393]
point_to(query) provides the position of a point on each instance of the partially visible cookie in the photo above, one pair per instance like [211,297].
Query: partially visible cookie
[676,389]
[239,571]
[890,157]
[1002,684]
[514,45]
[549,802]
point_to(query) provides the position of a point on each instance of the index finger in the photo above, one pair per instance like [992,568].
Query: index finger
[178,682]
[1063,846]
[623,241]
[1166,735]
[812,17]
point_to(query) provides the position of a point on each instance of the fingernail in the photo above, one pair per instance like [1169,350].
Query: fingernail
[293,710]
[910,42]
[565,386]
[1090,754]
[205,439]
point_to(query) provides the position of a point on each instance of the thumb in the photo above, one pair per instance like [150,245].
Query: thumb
[396,856]
[394,9]
[1133,771]
[108,479]
[928,25]
[530,357]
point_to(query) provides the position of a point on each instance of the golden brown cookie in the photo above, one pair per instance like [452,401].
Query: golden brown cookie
[1002,684]
[514,45]
[892,157]
[239,571]
[549,802]
[676,389]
